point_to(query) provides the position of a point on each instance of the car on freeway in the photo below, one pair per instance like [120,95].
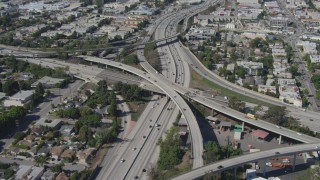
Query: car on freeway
[136,177]
[150,126]
[133,149]
[276,153]
[122,160]
[144,137]
[220,167]
[144,170]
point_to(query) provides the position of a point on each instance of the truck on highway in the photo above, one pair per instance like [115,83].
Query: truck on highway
[250,116]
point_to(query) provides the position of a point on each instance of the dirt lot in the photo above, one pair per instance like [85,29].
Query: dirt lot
[96,161]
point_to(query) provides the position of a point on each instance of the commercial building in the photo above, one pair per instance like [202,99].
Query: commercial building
[47,82]
[56,123]
[200,33]
[278,21]
[21,98]
[291,95]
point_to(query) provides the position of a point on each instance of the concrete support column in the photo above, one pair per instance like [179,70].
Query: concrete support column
[212,112]
[242,125]
[280,139]
[235,173]
[264,167]
[294,162]
[106,66]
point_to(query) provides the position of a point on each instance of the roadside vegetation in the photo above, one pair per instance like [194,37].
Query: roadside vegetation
[152,56]
[202,83]
[173,160]
[215,152]
[136,98]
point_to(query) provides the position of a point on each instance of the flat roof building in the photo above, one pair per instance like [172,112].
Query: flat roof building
[19,99]
[49,123]
[47,82]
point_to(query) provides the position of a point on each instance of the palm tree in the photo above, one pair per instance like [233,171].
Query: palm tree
[40,160]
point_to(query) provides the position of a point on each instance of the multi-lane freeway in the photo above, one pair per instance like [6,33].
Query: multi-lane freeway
[126,160]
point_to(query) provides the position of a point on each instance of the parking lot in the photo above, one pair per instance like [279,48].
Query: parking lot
[248,140]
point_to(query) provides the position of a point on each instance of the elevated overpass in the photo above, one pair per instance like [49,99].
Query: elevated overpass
[244,159]
[35,52]
[207,102]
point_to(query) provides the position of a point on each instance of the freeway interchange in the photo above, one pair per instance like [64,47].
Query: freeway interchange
[127,160]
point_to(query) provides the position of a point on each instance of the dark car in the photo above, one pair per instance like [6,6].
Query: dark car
[277,153]
[220,167]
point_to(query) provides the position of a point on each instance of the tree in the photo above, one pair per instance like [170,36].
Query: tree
[39,89]
[212,152]
[240,71]
[57,168]
[276,114]
[236,104]
[315,172]
[85,133]
[8,173]
[16,112]
[294,69]
[40,160]
[131,59]
[10,87]
[112,110]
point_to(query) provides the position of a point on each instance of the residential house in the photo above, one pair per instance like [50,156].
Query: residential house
[85,155]
[251,67]
[308,47]
[44,150]
[48,175]
[267,89]
[67,155]
[62,176]
[141,10]
[283,82]
[133,21]
[315,58]
[56,152]
[279,52]
[66,130]
[21,98]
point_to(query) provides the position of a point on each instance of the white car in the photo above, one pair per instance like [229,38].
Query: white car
[122,160]
[133,149]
